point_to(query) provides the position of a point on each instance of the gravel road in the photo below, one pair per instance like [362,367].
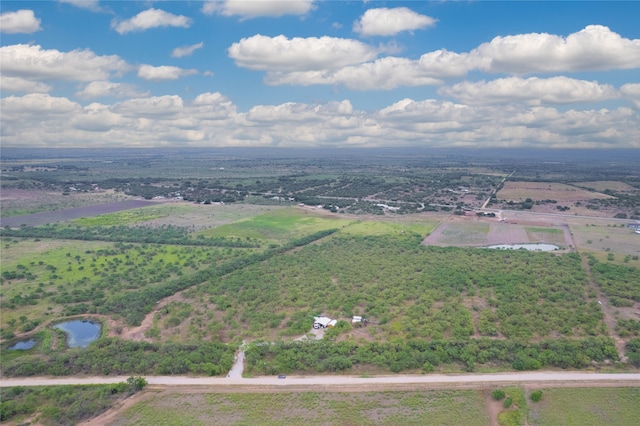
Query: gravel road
[460,379]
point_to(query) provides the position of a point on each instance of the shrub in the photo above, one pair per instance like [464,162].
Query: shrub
[536,396]
[507,402]
[498,394]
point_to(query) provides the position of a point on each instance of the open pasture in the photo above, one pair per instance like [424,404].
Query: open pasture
[606,239]
[279,225]
[586,407]
[37,219]
[309,408]
[477,232]
[16,202]
[65,277]
[603,185]
[537,191]
[201,217]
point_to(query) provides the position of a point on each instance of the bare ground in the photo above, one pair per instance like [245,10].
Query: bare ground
[492,407]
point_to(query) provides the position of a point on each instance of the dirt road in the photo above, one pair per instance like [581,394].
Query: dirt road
[550,377]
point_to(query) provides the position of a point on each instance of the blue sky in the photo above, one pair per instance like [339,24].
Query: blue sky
[314,73]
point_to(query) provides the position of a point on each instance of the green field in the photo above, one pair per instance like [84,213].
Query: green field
[310,408]
[278,226]
[586,407]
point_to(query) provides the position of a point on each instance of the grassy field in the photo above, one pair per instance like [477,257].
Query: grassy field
[546,235]
[55,275]
[465,233]
[586,407]
[603,185]
[16,202]
[279,225]
[129,217]
[310,408]
[559,406]
[563,193]
[603,239]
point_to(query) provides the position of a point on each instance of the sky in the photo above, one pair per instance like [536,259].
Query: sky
[320,73]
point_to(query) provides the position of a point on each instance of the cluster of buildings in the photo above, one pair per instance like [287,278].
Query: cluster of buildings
[326,322]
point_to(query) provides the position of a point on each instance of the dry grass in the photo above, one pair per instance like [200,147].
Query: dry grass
[520,191]
[310,408]
[603,185]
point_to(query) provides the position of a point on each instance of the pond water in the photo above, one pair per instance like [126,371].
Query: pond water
[80,333]
[23,345]
[530,247]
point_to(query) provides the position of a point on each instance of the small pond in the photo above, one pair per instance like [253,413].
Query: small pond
[80,333]
[23,345]
[530,247]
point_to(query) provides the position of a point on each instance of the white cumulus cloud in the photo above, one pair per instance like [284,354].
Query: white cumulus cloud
[595,47]
[36,105]
[19,84]
[295,62]
[163,72]
[179,52]
[211,119]
[535,91]
[31,62]
[157,107]
[98,89]
[280,53]
[92,5]
[383,74]
[632,91]
[386,22]
[21,21]
[151,18]
[255,8]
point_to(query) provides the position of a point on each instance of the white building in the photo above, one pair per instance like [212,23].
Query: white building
[321,322]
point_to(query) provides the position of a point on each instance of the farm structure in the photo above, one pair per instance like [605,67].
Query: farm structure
[323,322]
[359,321]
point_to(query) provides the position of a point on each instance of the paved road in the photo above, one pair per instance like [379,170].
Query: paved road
[461,379]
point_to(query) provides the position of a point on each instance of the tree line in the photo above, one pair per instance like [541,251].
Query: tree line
[330,356]
[137,234]
[114,356]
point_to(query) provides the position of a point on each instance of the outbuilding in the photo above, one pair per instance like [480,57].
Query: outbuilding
[321,322]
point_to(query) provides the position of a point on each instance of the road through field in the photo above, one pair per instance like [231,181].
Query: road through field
[548,377]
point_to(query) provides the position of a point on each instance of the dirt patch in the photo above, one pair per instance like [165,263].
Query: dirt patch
[492,407]
[114,414]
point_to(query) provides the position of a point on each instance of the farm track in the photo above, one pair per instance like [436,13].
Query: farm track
[606,308]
